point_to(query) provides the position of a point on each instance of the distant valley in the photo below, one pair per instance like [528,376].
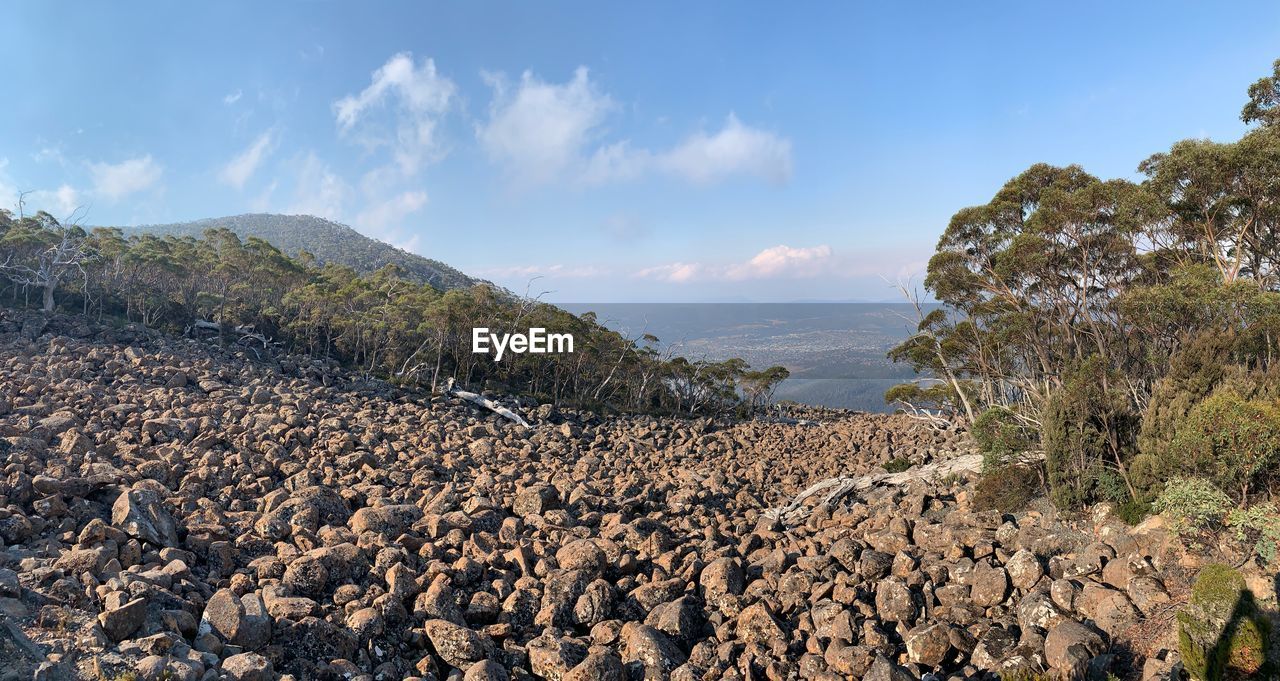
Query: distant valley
[836,352]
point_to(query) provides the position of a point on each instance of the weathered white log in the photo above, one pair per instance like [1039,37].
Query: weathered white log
[837,488]
[482,401]
[787,421]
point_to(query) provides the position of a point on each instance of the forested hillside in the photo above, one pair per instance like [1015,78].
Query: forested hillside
[328,242]
[385,323]
[1127,333]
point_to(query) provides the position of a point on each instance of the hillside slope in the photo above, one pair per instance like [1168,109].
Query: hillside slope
[330,242]
[303,520]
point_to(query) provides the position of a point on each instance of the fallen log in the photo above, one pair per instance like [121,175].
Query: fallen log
[482,401]
[837,488]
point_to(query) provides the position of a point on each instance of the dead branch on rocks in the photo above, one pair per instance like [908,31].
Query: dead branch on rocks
[837,488]
[935,419]
[481,401]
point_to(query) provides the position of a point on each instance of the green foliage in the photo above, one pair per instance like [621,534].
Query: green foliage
[897,464]
[1088,427]
[1230,440]
[1001,437]
[1007,489]
[1109,486]
[384,322]
[1221,634]
[1264,97]
[1108,311]
[1194,372]
[1133,511]
[1260,524]
[1191,504]
[317,241]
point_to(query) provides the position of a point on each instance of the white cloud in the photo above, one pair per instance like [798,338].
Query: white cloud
[233,97]
[539,131]
[8,193]
[379,215]
[777,262]
[676,273]
[422,97]
[617,162]
[736,150]
[557,271]
[318,191]
[239,169]
[115,181]
[61,202]
[544,132]
[782,261]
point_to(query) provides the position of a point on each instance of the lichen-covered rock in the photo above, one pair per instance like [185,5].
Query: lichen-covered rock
[1221,634]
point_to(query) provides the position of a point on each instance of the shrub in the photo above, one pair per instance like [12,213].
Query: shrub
[1210,364]
[1007,489]
[1133,511]
[1260,524]
[1000,437]
[1110,486]
[1088,425]
[1233,441]
[897,464]
[1221,634]
[1193,374]
[1192,504]
[1023,674]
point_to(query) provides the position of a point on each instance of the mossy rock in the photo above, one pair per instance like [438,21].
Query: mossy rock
[1221,634]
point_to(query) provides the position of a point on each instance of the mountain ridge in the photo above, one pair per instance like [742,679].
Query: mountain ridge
[327,240]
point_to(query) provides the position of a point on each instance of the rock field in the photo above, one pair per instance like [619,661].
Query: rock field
[173,510]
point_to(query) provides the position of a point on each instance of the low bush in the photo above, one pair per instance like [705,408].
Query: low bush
[1259,524]
[1001,437]
[897,464]
[1232,441]
[1088,426]
[1133,511]
[1192,505]
[1007,489]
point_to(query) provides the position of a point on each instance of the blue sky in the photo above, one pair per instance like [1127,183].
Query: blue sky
[622,152]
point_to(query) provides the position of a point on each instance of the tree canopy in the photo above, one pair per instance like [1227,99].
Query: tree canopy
[1068,298]
[387,322]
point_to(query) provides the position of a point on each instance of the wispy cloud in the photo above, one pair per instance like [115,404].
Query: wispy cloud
[542,132]
[538,130]
[239,169]
[115,181]
[777,262]
[735,150]
[233,97]
[531,271]
[318,190]
[420,96]
[379,215]
[62,202]
[8,192]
